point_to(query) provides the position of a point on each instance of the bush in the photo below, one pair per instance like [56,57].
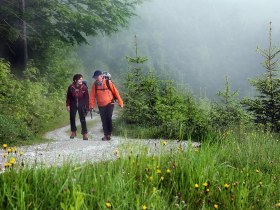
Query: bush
[27,105]
[11,129]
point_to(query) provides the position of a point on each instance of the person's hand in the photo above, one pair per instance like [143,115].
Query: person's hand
[68,108]
[121,105]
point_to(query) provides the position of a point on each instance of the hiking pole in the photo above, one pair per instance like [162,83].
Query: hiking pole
[93,110]
[96,111]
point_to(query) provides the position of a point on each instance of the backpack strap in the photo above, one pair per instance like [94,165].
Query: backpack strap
[108,85]
[109,88]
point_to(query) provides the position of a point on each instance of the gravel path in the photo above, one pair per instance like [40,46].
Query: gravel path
[61,148]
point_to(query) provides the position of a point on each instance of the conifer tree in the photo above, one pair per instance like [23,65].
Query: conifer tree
[226,112]
[135,108]
[265,107]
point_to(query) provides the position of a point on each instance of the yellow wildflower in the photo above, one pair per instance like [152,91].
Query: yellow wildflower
[226,185]
[12,160]
[168,171]
[5,155]
[9,150]
[277,205]
[164,143]
[108,205]
[196,186]
[158,171]
[216,206]
[144,207]
[5,146]
[161,178]
[7,165]
[205,184]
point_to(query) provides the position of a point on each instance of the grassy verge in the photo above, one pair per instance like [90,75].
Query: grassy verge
[55,123]
[135,131]
[238,173]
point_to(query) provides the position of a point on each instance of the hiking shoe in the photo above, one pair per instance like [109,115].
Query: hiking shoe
[73,135]
[106,138]
[85,136]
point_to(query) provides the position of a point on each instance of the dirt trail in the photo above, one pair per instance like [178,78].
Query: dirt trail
[61,148]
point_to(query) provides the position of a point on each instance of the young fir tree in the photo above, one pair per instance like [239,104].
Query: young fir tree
[227,112]
[266,105]
[136,108]
[151,98]
[170,109]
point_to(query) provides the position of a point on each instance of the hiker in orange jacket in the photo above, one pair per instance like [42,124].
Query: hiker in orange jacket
[104,92]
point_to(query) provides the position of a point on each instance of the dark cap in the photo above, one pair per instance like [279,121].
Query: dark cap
[97,73]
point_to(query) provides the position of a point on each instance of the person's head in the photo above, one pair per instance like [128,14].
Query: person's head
[78,78]
[98,75]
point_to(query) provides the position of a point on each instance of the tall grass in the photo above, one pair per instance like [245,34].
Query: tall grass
[238,173]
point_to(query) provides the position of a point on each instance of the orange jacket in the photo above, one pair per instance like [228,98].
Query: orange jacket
[103,95]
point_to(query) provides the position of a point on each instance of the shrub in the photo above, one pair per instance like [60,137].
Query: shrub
[12,129]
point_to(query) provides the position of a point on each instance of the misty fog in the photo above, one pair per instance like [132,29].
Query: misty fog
[196,43]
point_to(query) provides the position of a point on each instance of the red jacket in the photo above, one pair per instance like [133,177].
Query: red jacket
[103,95]
[77,96]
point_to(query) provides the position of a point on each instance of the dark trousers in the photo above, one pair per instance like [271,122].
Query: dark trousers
[73,111]
[106,113]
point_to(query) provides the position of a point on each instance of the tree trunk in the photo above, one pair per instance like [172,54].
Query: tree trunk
[24,36]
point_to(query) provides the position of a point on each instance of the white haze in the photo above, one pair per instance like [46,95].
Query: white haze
[199,42]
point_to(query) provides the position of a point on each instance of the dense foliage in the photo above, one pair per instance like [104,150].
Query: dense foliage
[27,106]
[31,105]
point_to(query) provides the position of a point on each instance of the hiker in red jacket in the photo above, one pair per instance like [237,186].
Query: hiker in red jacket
[77,99]
[104,92]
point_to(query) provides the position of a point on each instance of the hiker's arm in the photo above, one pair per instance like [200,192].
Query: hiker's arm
[116,94]
[68,99]
[87,99]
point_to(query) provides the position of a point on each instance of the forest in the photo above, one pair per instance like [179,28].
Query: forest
[42,48]
[188,71]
